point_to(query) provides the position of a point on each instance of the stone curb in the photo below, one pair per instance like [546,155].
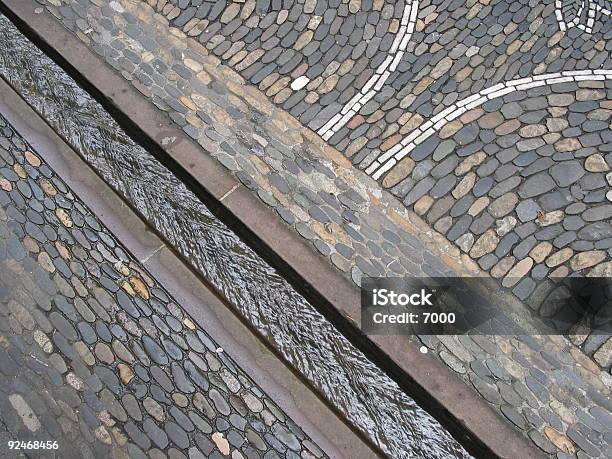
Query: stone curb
[435,386]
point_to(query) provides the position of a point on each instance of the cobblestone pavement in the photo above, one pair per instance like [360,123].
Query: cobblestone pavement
[354,73]
[462,158]
[581,14]
[307,341]
[524,186]
[96,355]
[352,70]
[559,223]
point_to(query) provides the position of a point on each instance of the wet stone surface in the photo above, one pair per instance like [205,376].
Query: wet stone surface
[312,187]
[312,58]
[95,353]
[450,182]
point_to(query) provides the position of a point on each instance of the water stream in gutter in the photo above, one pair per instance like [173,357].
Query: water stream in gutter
[372,401]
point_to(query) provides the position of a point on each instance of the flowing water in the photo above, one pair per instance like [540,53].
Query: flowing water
[372,401]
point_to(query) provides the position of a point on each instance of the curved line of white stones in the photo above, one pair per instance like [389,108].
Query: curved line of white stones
[376,81]
[593,8]
[387,160]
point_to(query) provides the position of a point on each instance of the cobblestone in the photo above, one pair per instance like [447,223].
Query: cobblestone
[485,133]
[81,387]
[537,184]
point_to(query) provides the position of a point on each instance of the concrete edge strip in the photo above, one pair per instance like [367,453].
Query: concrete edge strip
[288,390]
[465,413]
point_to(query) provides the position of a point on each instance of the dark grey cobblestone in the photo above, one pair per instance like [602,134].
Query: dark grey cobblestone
[257,156]
[482,125]
[88,389]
